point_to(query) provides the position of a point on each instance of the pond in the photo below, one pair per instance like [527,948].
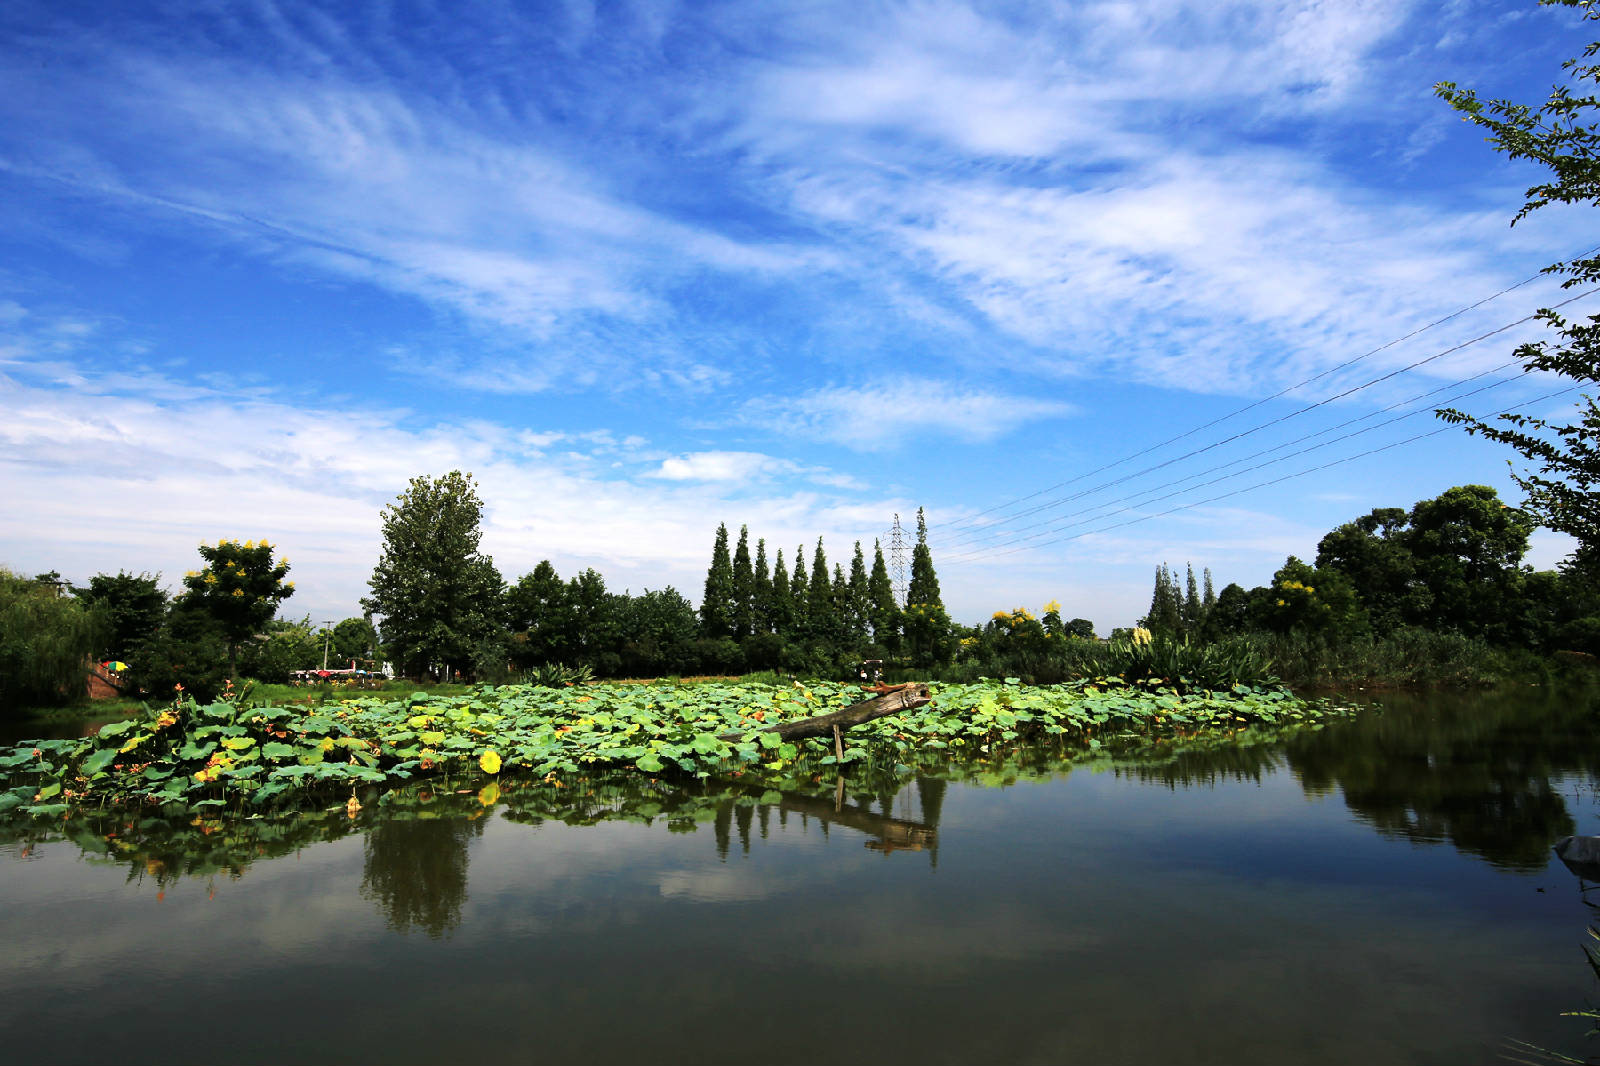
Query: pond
[1380,890]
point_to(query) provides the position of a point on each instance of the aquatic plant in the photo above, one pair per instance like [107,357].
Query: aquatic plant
[228,754]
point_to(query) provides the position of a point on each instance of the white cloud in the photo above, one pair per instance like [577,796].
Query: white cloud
[744,468]
[892,413]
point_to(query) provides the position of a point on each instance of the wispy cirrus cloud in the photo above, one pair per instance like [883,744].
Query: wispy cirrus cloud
[882,414]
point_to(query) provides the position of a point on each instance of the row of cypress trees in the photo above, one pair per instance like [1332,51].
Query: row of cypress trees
[751,597]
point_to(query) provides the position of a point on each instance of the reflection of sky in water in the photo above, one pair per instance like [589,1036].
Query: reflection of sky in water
[1091,917]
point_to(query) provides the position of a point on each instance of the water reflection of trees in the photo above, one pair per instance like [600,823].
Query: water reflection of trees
[1479,770]
[415,870]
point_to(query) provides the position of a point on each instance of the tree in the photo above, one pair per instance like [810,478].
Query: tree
[1373,553]
[799,600]
[924,585]
[1468,547]
[716,606]
[762,596]
[884,611]
[131,608]
[1303,599]
[1081,628]
[744,587]
[1166,605]
[355,638]
[438,596]
[782,601]
[822,619]
[1191,613]
[1563,483]
[45,639]
[240,587]
[538,614]
[859,612]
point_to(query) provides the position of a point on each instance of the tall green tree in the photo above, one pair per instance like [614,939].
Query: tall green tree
[859,611]
[1192,613]
[240,587]
[132,608]
[822,619]
[1468,548]
[1373,553]
[1165,617]
[45,640]
[884,611]
[716,606]
[1562,484]
[744,588]
[538,615]
[762,593]
[799,598]
[436,594]
[924,585]
[782,600]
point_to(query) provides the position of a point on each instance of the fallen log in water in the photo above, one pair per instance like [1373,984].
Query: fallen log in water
[903,698]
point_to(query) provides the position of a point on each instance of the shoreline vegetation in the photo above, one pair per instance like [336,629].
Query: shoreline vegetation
[238,756]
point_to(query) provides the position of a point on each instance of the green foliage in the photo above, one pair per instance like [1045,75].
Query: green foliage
[1303,599]
[46,640]
[716,605]
[355,638]
[190,651]
[537,615]
[1563,136]
[1468,546]
[744,588]
[132,609]
[924,584]
[557,675]
[289,646]
[240,587]
[882,609]
[437,595]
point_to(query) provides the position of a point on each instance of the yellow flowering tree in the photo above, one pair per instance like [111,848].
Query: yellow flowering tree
[240,587]
[1306,599]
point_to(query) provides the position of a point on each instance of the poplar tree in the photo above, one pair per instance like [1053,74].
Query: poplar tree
[882,608]
[801,603]
[842,625]
[1190,614]
[819,597]
[744,587]
[716,607]
[762,595]
[860,600]
[924,587]
[782,602]
[1165,604]
[438,595]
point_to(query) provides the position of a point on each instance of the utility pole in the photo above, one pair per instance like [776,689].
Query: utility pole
[897,559]
[327,635]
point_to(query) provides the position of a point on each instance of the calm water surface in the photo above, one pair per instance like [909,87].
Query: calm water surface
[1377,891]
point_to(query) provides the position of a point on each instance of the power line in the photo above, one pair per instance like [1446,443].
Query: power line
[977,548]
[968,520]
[1257,428]
[1275,481]
[1225,477]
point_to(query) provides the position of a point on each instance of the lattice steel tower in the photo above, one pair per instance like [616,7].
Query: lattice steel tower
[897,559]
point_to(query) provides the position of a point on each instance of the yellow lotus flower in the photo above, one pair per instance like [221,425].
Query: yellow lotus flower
[490,761]
[489,794]
[353,808]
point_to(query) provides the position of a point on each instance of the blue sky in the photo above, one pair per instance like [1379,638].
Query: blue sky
[642,268]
